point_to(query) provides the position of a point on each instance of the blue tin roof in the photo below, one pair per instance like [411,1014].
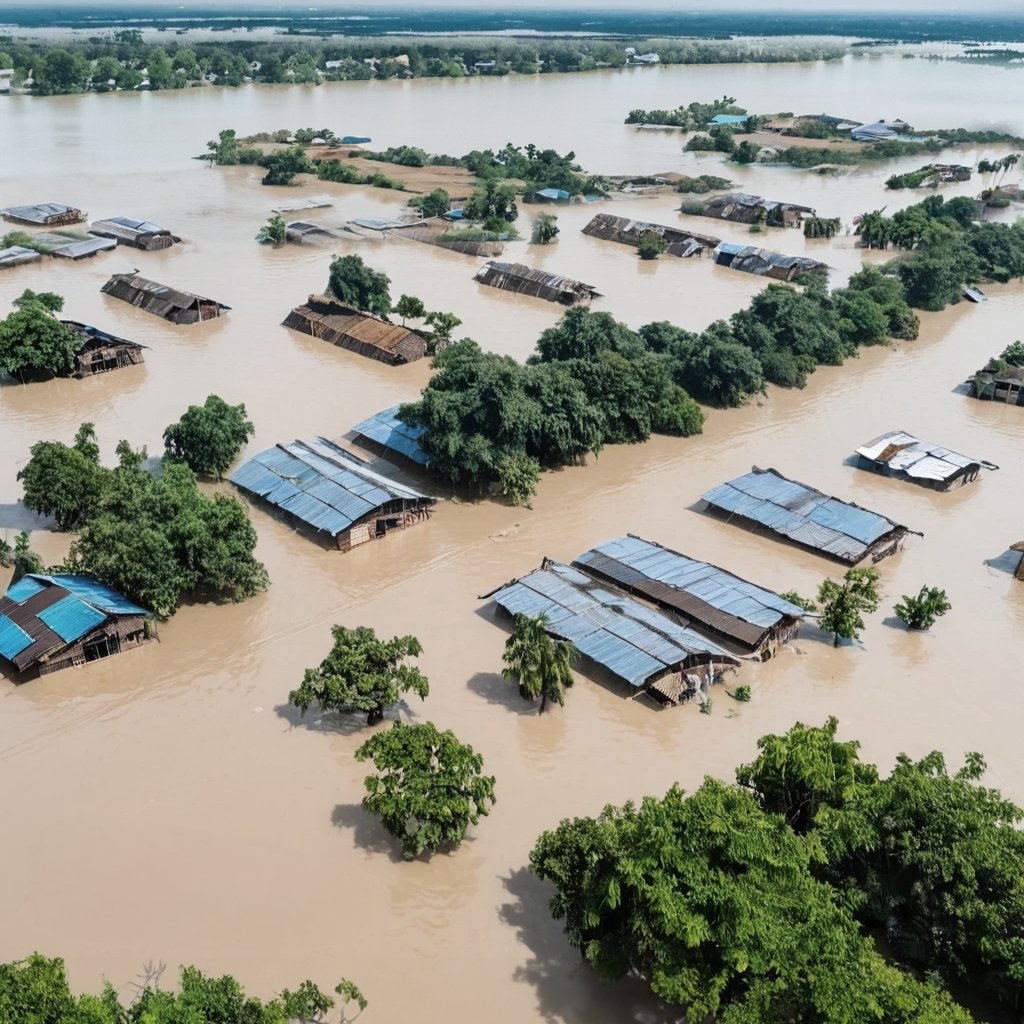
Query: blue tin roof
[21,591]
[13,639]
[633,642]
[320,483]
[802,514]
[729,119]
[387,430]
[105,598]
[552,193]
[71,618]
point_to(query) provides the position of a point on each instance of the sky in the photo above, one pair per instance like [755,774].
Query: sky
[805,6]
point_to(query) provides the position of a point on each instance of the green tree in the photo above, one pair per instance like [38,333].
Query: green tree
[545,229]
[518,475]
[104,73]
[921,611]
[362,673]
[650,246]
[843,605]
[160,70]
[208,437]
[59,71]
[21,557]
[442,326]
[354,283]
[283,165]
[536,662]
[428,787]
[34,344]
[492,201]
[433,204]
[274,232]
[409,307]
[64,482]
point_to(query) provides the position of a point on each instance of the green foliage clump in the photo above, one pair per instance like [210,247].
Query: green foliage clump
[428,787]
[801,602]
[336,170]
[545,229]
[362,673]
[650,246]
[536,662]
[274,232]
[921,610]
[518,475]
[492,202]
[351,281]
[843,605]
[1013,354]
[442,326]
[742,693]
[409,307]
[282,165]
[702,183]
[407,156]
[21,557]
[689,118]
[208,437]
[34,344]
[821,227]
[433,204]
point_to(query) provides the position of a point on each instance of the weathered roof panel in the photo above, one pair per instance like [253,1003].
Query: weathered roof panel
[387,430]
[903,453]
[71,618]
[13,639]
[98,594]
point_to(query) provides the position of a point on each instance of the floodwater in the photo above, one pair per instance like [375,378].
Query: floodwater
[166,805]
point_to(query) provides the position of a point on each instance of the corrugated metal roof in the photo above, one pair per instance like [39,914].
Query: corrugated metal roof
[802,514]
[40,213]
[752,260]
[14,255]
[22,590]
[13,639]
[905,454]
[387,430]
[71,618]
[630,640]
[629,232]
[95,593]
[517,277]
[320,483]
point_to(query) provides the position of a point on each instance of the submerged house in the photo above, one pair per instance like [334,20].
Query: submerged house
[101,352]
[386,434]
[636,645]
[739,613]
[1019,572]
[52,622]
[744,208]
[547,195]
[47,215]
[372,336]
[69,247]
[764,499]
[302,231]
[766,263]
[518,278]
[998,382]
[176,306]
[15,255]
[331,492]
[681,241]
[139,234]
[901,455]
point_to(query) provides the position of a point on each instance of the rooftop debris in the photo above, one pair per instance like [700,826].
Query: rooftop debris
[764,262]
[372,336]
[70,247]
[385,430]
[744,208]
[547,195]
[169,303]
[332,491]
[681,241]
[52,622]
[438,231]
[294,205]
[901,455]
[15,255]
[879,131]
[47,214]
[640,646]
[518,278]
[728,607]
[102,351]
[140,234]
[973,294]
[806,517]
[301,231]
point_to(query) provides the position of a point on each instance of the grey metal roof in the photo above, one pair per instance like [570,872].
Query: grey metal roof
[320,483]
[802,514]
[387,430]
[14,255]
[633,642]
[39,213]
[921,460]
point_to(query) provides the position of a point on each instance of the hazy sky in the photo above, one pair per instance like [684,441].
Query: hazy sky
[804,6]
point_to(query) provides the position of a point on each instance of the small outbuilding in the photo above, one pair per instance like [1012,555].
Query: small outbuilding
[52,622]
[168,303]
[139,234]
[634,644]
[518,278]
[392,439]
[70,247]
[347,327]
[547,195]
[765,263]
[47,215]
[744,208]
[764,499]
[901,455]
[101,351]
[739,613]
[680,241]
[16,255]
[999,381]
[332,492]
[1019,571]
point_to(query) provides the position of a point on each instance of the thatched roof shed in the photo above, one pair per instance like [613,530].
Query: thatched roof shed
[101,351]
[518,278]
[681,241]
[372,336]
[176,306]
[139,234]
[744,208]
[45,214]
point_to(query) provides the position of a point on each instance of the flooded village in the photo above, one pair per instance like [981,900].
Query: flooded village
[176,783]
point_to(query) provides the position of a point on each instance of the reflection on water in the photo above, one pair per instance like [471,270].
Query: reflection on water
[169,811]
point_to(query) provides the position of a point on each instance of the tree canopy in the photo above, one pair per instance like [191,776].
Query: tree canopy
[428,787]
[844,604]
[536,662]
[356,284]
[34,344]
[208,437]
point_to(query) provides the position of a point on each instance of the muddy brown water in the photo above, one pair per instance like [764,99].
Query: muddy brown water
[165,805]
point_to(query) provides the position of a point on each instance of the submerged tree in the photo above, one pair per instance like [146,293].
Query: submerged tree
[442,326]
[34,344]
[429,787]
[518,475]
[545,229]
[21,557]
[362,673]
[536,662]
[843,605]
[921,611]
[409,307]
[354,283]
[274,232]
[650,246]
[433,204]
[208,437]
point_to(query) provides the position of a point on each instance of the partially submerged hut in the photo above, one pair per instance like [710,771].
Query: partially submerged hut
[371,336]
[101,351]
[680,241]
[649,652]
[518,278]
[15,255]
[999,381]
[547,195]
[905,457]
[303,231]
[139,234]
[440,231]
[766,263]
[386,434]
[744,208]
[764,499]
[176,306]
[52,622]
[72,247]
[331,491]
[739,613]
[44,214]
[1019,571]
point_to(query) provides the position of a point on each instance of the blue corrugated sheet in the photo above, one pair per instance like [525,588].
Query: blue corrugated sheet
[387,430]
[319,483]
[71,618]
[729,119]
[714,586]
[21,591]
[629,639]
[95,593]
[802,514]
[552,193]
[13,639]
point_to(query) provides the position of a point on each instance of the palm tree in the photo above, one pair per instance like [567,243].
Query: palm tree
[538,663]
